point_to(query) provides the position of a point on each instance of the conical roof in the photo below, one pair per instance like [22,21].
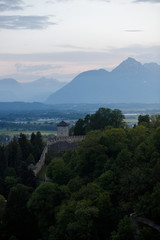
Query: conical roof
[62,124]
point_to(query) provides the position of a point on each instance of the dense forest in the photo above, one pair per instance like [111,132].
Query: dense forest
[93,191]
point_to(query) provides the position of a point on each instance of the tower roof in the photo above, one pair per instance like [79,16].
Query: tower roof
[62,124]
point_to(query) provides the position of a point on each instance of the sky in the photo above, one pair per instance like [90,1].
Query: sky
[62,38]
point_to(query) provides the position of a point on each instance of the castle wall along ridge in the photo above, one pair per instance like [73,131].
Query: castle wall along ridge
[61,143]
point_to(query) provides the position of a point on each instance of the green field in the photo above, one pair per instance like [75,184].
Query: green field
[13,133]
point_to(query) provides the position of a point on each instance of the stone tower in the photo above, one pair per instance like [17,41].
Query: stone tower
[63,129]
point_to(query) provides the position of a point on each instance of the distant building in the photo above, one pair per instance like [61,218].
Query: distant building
[63,129]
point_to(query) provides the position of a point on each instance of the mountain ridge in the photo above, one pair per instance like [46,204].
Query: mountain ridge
[39,90]
[129,82]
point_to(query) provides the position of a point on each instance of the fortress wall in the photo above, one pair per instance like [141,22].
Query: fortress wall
[69,139]
[63,146]
[41,161]
[57,144]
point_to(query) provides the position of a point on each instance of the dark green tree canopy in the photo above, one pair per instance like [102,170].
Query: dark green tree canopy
[102,118]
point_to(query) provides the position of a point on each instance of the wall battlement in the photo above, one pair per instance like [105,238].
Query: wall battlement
[68,139]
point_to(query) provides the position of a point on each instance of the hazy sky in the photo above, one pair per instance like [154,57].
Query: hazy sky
[61,38]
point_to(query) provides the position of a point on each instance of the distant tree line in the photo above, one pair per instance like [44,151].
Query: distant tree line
[12,126]
[34,115]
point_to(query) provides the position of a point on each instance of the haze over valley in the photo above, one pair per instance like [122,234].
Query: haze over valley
[36,91]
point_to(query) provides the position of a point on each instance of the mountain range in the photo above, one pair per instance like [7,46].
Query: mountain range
[37,91]
[130,82]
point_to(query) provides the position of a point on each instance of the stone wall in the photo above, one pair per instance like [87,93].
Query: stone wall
[61,144]
[63,131]
[57,144]
[40,163]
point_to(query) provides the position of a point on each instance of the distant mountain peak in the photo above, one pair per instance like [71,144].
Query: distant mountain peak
[130,59]
[130,64]
[154,67]
[8,80]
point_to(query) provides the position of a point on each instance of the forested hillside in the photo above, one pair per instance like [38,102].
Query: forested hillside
[92,191]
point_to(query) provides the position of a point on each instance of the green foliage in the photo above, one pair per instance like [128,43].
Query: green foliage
[155,199]
[10,172]
[75,184]
[79,128]
[17,215]
[9,181]
[43,202]
[2,206]
[12,238]
[15,159]
[102,118]
[113,173]
[84,226]
[144,120]
[155,121]
[156,139]
[58,172]
[30,159]
[125,230]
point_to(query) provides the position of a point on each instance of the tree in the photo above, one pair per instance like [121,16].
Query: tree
[2,207]
[155,121]
[25,146]
[58,172]
[155,197]
[156,139]
[125,230]
[99,120]
[17,215]
[30,159]
[27,176]
[79,128]
[10,172]
[91,161]
[9,181]
[3,160]
[14,154]
[84,226]
[144,120]
[43,202]
[115,140]
[37,145]
[12,238]
[95,196]
[117,118]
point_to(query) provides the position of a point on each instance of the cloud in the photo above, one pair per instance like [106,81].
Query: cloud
[35,68]
[59,1]
[11,5]
[66,65]
[150,53]
[25,22]
[133,30]
[151,1]
[74,47]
